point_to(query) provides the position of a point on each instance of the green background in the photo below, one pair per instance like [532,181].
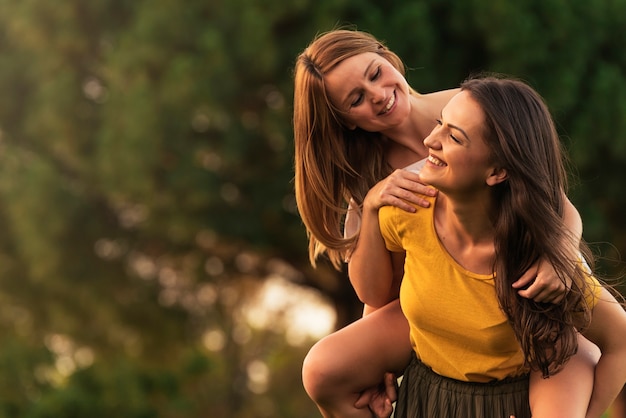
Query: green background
[152,262]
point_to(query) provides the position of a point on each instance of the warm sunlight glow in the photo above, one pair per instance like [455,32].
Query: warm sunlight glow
[214,340]
[301,314]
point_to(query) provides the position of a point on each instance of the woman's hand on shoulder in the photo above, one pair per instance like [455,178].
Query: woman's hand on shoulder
[402,189]
[541,284]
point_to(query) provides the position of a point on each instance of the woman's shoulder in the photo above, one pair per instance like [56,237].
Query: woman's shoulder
[436,100]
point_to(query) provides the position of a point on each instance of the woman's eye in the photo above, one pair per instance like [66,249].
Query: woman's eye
[454,138]
[357,101]
[376,74]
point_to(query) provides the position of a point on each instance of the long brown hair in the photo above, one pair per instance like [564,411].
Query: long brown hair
[333,164]
[528,219]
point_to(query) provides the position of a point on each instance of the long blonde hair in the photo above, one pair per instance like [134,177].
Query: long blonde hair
[333,163]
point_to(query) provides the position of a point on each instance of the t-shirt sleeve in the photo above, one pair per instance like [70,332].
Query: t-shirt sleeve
[593,287]
[388,228]
[593,291]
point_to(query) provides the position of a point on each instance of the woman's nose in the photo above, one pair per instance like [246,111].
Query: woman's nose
[377,95]
[431,140]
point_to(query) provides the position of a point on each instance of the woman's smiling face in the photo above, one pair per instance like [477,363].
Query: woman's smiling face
[370,93]
[459,159]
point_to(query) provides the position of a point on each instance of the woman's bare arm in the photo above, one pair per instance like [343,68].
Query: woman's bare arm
[608,331]
[376,273]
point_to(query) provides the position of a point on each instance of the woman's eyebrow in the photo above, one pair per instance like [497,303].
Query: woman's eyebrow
[460,130]
[453,126]
[356,89]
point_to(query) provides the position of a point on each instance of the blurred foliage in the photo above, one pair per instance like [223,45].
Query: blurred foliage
[146,195]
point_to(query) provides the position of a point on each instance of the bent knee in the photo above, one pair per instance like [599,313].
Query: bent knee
[318,374]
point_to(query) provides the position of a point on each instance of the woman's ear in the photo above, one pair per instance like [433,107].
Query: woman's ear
[497,176]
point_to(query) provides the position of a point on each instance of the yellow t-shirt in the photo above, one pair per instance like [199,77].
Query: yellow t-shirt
[456,325]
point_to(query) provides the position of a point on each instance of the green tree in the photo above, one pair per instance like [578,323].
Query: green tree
[145,182]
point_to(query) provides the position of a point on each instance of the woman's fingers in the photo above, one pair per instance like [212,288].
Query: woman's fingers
[541,284]
[402,189]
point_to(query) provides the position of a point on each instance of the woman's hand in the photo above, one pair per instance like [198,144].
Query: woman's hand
[541,284]
[399,189]
[380,399]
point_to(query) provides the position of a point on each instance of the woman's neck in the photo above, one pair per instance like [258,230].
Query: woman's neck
[407,140]
[400,156]
[466,231]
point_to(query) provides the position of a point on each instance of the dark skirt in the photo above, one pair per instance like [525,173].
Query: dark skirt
[425,394]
